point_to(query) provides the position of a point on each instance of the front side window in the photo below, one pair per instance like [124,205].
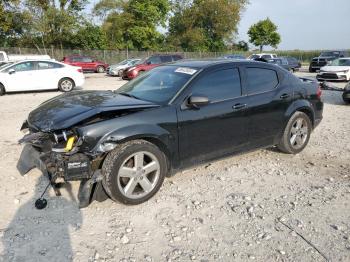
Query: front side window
[260,80]
[154,60]
[266,56]
[219,85]
[21,67]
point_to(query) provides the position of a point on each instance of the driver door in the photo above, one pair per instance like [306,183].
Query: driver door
[218,128]
[21,77]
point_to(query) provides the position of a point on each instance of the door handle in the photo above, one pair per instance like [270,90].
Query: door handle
[284,96]
[239,106]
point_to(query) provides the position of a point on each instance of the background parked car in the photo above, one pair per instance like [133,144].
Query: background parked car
[338,69]
[288,63]
[233,56]
[117,69]
[148,64]
[325,58]
[39,75]
[263,55]
[86,63]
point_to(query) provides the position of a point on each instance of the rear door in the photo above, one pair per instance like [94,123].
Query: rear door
[49,73]
[269,96]
[218,128]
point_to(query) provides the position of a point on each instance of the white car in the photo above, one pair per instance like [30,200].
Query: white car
[338,69]
[263,55]
[115,70]
[30,75]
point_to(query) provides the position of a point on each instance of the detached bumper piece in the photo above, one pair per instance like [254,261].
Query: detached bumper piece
[76,167]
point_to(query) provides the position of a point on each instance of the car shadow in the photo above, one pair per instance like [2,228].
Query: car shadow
[333,97]
[42,235]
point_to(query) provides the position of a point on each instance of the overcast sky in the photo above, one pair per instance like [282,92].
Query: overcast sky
[303,24]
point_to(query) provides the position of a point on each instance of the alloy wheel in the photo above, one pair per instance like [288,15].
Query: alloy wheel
[298,133]
[67,85]
[138,175]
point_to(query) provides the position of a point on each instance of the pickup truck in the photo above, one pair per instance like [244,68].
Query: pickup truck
[4,57]
[325,58]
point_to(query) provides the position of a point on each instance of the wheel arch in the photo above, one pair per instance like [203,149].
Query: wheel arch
[301,106]
[66,77]
[150,133]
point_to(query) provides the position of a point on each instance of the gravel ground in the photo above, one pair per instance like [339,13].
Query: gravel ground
[257,206]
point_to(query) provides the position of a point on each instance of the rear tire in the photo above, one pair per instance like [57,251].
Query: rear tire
[134,172]
[296,134]
[100,69]
[312,70]
[66,85]
[2,90]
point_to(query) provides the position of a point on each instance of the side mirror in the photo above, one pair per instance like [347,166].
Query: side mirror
[12,71]
[148,63]
[197,101]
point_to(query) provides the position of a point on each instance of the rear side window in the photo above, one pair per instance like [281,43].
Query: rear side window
[219,85]
[261,80]
[87,60]
[48,65]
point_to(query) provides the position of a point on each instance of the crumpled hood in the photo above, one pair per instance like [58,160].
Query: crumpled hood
[66,110]
[335,68]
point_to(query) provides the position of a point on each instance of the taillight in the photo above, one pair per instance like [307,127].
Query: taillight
[80,70]
[319,92]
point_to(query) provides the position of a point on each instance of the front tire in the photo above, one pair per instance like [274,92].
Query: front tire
[134,172]
[296,134]
[66,85]
[2,90]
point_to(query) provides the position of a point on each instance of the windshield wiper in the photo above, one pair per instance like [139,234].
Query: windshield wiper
[129,95]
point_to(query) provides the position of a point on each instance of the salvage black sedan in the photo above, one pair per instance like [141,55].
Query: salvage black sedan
[125,142]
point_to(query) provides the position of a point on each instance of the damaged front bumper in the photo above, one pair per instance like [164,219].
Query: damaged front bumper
[58,166]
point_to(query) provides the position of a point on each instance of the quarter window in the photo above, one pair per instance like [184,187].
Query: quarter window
[219,85]
[261,80]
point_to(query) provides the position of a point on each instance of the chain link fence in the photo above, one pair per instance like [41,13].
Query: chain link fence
[114,56]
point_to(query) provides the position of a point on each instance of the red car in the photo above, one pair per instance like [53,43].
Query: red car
[86,63]
[148,64]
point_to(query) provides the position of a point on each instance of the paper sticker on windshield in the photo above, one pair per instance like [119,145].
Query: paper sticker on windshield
[186,70]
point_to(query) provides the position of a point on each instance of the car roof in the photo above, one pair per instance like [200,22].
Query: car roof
[205,63]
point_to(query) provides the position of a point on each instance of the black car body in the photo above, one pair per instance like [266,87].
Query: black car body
[288,63]
[325,58]
[218,108]
[346,94]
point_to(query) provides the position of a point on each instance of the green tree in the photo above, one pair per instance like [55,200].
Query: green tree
[264,33]
[53,23]
[204,25]
[133,24]
[89,36]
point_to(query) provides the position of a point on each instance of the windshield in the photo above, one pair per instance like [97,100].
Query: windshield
[329,54]
[341,62]
[5,65]
[158,85]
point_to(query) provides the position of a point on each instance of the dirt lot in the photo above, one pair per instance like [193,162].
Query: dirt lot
[228,210]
